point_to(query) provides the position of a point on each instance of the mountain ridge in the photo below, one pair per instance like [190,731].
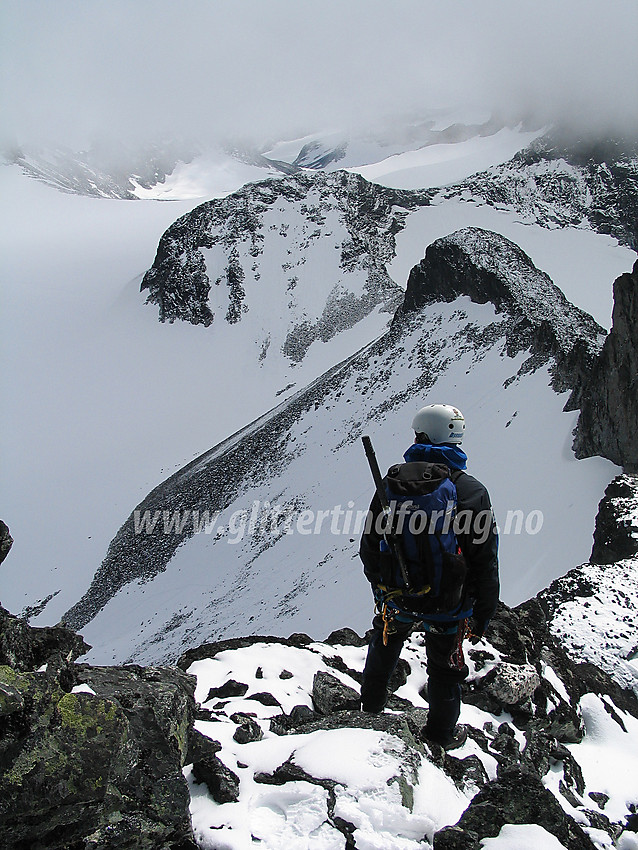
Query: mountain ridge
[260,454]
[559,181]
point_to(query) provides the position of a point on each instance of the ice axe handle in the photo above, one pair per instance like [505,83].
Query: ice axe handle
[376,472]
[393,543]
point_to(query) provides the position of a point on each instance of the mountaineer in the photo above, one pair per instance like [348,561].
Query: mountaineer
[430,552]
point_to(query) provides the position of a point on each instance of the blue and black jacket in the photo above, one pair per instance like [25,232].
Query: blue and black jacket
[482,557]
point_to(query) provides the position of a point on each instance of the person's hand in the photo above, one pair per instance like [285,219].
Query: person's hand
[475,631]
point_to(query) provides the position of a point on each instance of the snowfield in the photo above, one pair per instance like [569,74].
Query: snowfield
[394,798]
[105,402]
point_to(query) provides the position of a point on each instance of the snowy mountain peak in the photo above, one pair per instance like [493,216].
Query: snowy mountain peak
[297,259]
[487,267]
[300,457]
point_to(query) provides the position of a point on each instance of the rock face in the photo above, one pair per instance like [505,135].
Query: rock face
[535,328]
[89,757]
[565,182]
[608,423]
[490,268]
[214,262]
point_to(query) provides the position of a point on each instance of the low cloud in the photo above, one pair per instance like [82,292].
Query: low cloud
[254,70]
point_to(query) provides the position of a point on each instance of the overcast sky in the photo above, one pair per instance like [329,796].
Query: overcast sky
[252,69]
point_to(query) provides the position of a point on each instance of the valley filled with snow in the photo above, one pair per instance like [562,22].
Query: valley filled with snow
[103,403]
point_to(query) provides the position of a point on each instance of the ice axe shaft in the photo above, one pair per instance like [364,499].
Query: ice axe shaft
[392,540]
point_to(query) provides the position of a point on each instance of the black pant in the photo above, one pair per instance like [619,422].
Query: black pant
[445,667]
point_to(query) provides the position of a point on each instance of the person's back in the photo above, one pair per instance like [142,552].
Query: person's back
[439,430]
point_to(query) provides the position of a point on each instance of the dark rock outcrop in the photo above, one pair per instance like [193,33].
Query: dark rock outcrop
[517,796]
[616,533]
[591,610]
[487,267]
[221,781]
[6,541]
[25,648]
[608,423]
[90,756]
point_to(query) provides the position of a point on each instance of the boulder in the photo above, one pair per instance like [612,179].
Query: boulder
[330,695]
[220,780]
[102,766]
[518,796]
[511,684]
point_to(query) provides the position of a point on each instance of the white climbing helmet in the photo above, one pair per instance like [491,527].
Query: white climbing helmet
[442,423]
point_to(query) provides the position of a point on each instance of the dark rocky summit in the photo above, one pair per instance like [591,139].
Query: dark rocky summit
[487,267]
[608,423]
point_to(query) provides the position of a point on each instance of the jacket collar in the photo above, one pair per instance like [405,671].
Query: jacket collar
[451,455]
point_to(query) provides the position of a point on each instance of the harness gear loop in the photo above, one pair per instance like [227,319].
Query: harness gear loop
[469,634]
[388,615]
[457,657]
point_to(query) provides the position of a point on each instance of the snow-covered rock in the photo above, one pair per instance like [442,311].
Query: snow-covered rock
[561,182]
[592,609]
[608,423]
[261,533]
[309,251]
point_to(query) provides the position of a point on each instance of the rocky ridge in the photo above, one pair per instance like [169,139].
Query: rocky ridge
[210,261]
[534,316]
[491,268]
[563,182]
